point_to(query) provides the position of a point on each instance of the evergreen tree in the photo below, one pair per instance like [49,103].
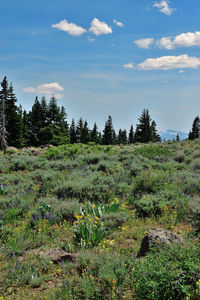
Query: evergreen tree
[177,137]
[26,129]
[72,132]
[94,137]
[79,130]
[124,137]
[53,111]
[85,138]
[119,138]
[63,121]
[155,136]
[3,98]
[195,133]
[44,112]
[14,122]
[108,132]
[35,122]
[143,132]
[131,135]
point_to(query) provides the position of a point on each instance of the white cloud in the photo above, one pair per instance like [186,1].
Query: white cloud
[144,43]
[90,39]
[170,62]
[46,89]
[129,66]
[165,43]
[71,28]
[163,7]
[181,71]
[97,27]
[120,24]
[187,39]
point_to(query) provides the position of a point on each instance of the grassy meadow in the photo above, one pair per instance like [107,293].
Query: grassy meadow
[98,202]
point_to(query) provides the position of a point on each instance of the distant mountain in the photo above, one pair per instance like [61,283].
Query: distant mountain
[171,134]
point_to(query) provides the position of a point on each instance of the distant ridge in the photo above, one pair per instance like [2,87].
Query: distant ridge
[171,134]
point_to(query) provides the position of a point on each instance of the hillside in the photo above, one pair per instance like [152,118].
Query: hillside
[73,217]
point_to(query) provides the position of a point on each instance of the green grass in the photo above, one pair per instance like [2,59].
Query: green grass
[99,202]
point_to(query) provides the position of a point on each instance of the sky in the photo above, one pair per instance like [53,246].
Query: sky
[108,57]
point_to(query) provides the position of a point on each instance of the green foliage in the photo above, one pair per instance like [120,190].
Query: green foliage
[114,220]
[170,274]
[89,228]
[66,210]
[155,191]
[148,182]
[156,152]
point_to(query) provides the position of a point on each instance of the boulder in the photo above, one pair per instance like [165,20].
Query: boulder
[11,150]
[158,238]
[58,255]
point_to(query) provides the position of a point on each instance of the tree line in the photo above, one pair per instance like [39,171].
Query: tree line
[46,123]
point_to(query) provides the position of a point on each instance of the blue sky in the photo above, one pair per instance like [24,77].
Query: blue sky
[105,57]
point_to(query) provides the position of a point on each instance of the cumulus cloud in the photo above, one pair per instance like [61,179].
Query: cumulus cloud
[46,89]
[187,39]
[129,66]
[71,28]
[144,43]
[170,62]
[97,27]
[163,7]
[120,24]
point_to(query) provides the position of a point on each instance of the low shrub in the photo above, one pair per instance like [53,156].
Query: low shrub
[171,273]
[114,220]
[65,210]
[153,152]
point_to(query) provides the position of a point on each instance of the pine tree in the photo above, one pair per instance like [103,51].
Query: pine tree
[63,120]
[44,112]
[85,138]
[195,133]
[79,130]
[14,124]
[146,130]
[53,111]
[26,129]
[124,137]
[108,132]
[35,122]
[177,137]
[119,138]
[155,136]
[3,131]
[72,132]
[131,135]
[94,134]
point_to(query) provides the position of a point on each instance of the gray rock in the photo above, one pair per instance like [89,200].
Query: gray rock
[158,238]
[58,255]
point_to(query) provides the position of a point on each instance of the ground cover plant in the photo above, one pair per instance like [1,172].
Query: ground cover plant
[96,203]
